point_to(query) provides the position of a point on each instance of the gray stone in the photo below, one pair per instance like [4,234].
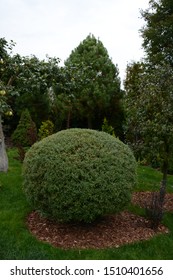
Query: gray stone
[3,154]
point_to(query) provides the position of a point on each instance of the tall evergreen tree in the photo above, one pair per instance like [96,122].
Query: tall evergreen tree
[96,90]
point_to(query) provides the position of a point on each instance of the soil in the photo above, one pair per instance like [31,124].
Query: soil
[108,232]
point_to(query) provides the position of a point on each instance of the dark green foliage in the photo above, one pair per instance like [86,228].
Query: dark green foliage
[132,127]
[21,153]
[27,81]
[150,115]
[158,31]
[26,132]
[80,94]
[93,87]
[106,127]
[79,175]
[33,81]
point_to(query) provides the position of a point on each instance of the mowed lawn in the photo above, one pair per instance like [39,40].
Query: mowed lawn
[17,243]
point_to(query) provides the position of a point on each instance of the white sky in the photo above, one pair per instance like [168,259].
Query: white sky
[56,27]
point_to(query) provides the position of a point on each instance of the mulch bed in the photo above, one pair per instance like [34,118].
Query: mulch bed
[143,198]
[108,232]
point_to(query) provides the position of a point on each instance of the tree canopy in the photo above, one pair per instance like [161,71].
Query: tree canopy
[152,115]
[134,73]
[80,94]
[149,91]
[95,93]
[157,33]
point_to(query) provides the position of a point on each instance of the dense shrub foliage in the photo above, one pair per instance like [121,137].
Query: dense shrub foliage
[79,175]
[46,129]
[106,127]
[25,133]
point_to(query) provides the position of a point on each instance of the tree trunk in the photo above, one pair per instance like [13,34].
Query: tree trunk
[68,118]
[165,171]
[89,122]
[3,154]
[163,182]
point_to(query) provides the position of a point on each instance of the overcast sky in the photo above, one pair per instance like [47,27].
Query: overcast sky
[56,27]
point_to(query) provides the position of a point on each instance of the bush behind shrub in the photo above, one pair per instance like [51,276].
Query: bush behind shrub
[79,175]
[25,133]
[46,129]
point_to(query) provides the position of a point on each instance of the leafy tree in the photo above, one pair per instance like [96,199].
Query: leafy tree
[158,32]
[148,87]
[94,82]
[134,72]
[64,100]
[33,83]
[154,115]
[31,78]
[149,97]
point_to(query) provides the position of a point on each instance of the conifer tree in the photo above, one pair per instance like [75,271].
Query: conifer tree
[96,90]
[26,133]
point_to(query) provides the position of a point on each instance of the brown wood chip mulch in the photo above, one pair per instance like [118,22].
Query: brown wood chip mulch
[110,231]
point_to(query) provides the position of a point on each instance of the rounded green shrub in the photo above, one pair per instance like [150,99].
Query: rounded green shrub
[79,175]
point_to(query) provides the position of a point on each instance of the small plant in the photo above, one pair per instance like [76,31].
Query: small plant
[79,175]
[154,211]
[26,132]
[32,134]
[107,128]
[21,153]
[46,129]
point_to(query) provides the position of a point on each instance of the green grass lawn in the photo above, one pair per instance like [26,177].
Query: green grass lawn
[17,243]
